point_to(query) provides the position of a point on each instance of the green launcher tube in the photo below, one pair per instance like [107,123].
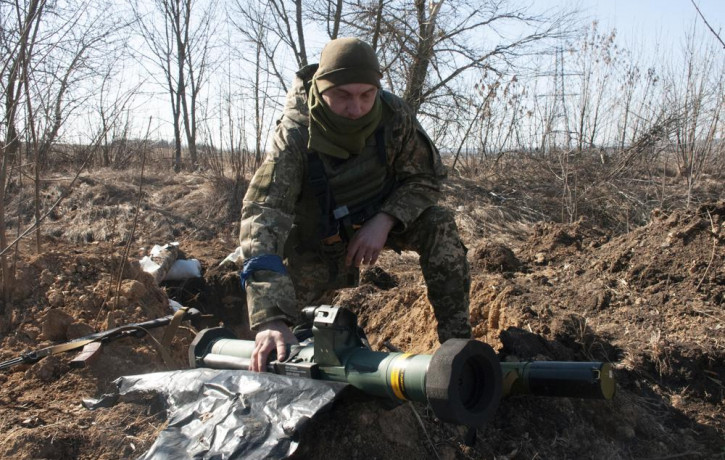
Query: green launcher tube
[462,381]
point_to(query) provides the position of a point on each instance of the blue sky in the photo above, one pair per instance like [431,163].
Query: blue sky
[644,23]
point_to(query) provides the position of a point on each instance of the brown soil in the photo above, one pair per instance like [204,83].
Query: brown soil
[649,300]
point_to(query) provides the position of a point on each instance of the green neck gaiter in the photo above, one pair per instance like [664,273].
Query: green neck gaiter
[338,136]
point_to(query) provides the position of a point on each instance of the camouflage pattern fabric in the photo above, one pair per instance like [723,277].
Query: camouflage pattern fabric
[434,236]
[281,216]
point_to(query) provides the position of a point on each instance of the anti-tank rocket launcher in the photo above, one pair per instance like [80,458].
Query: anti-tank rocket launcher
[462,381]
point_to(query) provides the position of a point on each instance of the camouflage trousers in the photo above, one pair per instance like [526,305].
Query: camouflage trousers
[434,236]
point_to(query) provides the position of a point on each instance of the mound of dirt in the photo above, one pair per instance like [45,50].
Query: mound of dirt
[649,301]
[61,295]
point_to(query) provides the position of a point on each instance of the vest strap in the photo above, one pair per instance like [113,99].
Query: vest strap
[340,221]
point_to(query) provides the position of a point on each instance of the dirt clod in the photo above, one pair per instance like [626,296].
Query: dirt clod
[55,324]
[495,258]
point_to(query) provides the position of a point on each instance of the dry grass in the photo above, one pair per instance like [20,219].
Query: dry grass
[510,193]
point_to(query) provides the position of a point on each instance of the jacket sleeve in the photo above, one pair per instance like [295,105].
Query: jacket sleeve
[418,171]
[267,217]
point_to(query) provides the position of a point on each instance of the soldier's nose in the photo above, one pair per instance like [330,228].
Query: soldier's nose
[354,110]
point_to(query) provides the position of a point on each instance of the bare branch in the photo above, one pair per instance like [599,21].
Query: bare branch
[708,24]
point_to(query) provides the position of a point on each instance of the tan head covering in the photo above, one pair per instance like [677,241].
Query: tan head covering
[347,60]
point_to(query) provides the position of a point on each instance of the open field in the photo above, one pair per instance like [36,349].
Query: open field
[637,278]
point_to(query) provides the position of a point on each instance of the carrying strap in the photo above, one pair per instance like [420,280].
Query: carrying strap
[320,186]
[170,330]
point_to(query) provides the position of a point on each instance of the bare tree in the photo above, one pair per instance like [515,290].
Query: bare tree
[426,15]
[597,59]
[291,31]
[178,38]
[328,13]
[702,16]
[429,48]
[18,41]
[51,53]
[115,116]
[269,37]
[696,97]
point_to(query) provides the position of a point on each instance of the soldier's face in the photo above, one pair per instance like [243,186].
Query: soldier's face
[352,100]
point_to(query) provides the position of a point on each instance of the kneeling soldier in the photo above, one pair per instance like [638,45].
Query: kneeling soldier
[351,171]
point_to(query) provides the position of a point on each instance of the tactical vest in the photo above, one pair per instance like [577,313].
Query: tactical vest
[350,191]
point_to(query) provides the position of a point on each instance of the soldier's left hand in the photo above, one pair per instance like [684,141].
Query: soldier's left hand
[365,246]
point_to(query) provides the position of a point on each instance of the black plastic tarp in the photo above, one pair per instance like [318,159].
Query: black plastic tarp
[226,414]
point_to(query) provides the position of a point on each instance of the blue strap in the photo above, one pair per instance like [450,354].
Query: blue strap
[269,262]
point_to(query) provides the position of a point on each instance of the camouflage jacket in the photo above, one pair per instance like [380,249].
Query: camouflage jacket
[279,205]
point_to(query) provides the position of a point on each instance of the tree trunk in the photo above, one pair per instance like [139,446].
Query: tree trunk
[378,25]
[300,33]
[424,52]
[336,20]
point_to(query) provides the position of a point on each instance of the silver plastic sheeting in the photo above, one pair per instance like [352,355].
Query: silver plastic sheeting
[226,414]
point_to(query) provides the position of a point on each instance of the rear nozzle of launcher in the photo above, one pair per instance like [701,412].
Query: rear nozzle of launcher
[463,382]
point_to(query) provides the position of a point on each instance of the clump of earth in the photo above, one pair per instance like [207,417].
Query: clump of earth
[649,301]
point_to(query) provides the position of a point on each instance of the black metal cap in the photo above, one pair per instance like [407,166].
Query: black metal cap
[464,382]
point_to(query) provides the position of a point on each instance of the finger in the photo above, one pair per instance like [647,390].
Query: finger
[255,356]
[281,350]
[263,349]
[354,257]
[358,259]
[370,257]
[252,359]
[352,249]
[262,359]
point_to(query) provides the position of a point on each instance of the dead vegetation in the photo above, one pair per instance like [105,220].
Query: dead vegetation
[636,278]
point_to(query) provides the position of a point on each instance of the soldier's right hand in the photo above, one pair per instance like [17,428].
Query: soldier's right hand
[272,335]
